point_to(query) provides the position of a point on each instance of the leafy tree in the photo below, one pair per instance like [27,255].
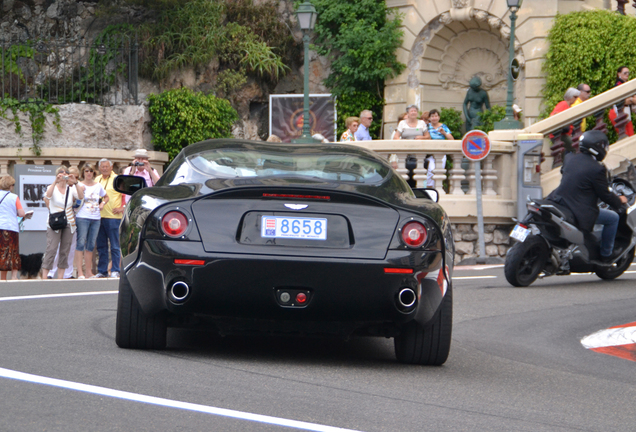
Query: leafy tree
[181,117]
[360,37]
[351,104]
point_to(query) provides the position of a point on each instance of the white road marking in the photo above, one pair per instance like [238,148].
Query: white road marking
[135,397]
[478,267]
[43,296]
[474,277]
[610,337]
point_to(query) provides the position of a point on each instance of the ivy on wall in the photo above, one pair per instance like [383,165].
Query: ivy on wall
[181,117]
[36,110]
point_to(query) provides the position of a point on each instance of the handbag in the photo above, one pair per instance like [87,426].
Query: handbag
[58,221]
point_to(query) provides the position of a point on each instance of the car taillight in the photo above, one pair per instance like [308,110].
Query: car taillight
[174,224]
[414,234]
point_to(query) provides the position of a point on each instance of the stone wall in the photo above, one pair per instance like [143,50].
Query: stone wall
[496,239]
[120,127]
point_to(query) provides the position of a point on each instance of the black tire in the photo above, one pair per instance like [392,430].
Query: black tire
[617,269]
[133,328]
[427,344]
[525,261]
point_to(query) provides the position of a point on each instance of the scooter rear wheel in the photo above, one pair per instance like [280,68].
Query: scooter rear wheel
[525,261]
[618,268]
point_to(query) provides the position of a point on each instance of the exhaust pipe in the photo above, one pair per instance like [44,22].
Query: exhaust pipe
[406,298]
[178,292]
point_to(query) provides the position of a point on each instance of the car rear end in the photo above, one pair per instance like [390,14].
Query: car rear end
[305,260]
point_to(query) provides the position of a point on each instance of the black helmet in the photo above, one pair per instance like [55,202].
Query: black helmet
[595,143]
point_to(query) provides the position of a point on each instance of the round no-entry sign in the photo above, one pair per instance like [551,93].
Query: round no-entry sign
[476,145]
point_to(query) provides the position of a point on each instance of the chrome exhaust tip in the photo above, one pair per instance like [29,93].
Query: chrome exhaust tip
[178,292]
[406,298]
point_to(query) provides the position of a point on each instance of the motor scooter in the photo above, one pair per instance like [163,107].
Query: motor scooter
[549,243]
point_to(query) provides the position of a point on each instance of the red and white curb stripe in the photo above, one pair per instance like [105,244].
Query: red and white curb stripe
[619,341]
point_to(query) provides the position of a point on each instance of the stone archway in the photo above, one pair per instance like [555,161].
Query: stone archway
[447,53]
[448,41]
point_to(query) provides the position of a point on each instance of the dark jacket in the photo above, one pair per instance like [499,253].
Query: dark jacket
[584,182]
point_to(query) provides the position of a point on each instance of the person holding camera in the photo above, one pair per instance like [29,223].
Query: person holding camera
[60,197]
[70,217]
[140,167]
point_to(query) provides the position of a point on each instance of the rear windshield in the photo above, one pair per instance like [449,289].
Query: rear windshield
[232,163]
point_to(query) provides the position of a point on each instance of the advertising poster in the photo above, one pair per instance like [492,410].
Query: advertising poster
[31,184]
[286,116]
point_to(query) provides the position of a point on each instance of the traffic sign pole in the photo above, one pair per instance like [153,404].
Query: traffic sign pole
[480,211]
[476,146]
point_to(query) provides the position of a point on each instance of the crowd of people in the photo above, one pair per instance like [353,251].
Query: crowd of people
[574,96]
[92,210]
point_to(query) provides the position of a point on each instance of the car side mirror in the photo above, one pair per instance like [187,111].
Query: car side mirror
[427,193]
[128,184]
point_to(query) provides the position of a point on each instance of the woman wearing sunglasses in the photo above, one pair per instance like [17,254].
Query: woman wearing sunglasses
[88,221]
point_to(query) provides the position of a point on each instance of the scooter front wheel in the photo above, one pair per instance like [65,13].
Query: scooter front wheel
[618,268]
[525,261]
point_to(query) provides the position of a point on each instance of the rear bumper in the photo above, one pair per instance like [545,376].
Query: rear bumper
[228,287]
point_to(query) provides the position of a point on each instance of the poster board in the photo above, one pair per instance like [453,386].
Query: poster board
[31,183]
[286,116]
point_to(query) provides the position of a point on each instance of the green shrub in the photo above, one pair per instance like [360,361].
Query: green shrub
[453,119]
[195,32]
[489,117]
[181,117]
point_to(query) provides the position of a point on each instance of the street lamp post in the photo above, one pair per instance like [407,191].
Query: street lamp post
[306,15]
[509,121]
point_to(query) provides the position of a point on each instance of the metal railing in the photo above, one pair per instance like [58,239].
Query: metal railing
[569,121]
[59,71]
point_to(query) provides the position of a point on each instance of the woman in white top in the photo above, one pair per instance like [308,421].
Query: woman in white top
[412,127]
[88,220]
[55,199]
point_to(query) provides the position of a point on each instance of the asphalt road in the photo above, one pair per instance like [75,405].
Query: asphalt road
[516,364]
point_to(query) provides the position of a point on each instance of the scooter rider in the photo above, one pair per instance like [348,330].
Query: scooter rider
[584,182]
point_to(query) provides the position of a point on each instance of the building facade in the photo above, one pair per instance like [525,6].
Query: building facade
[447,42]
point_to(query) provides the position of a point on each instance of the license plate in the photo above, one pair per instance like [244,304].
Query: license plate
[295,228]
[519,233]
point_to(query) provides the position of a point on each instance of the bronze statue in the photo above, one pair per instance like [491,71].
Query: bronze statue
[476,99]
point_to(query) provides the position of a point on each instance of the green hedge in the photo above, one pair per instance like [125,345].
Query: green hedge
[587,47]
[181,117]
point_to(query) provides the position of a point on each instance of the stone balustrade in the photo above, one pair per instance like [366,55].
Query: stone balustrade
[499,189]
[456,184]
[76,157]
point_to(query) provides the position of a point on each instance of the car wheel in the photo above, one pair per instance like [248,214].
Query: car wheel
[525,261]
[617,269]
[134,329]
[427,344]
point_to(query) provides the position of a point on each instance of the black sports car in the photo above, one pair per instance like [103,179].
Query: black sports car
[248,236]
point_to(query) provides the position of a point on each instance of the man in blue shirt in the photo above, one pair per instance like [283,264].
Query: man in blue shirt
[362,134]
